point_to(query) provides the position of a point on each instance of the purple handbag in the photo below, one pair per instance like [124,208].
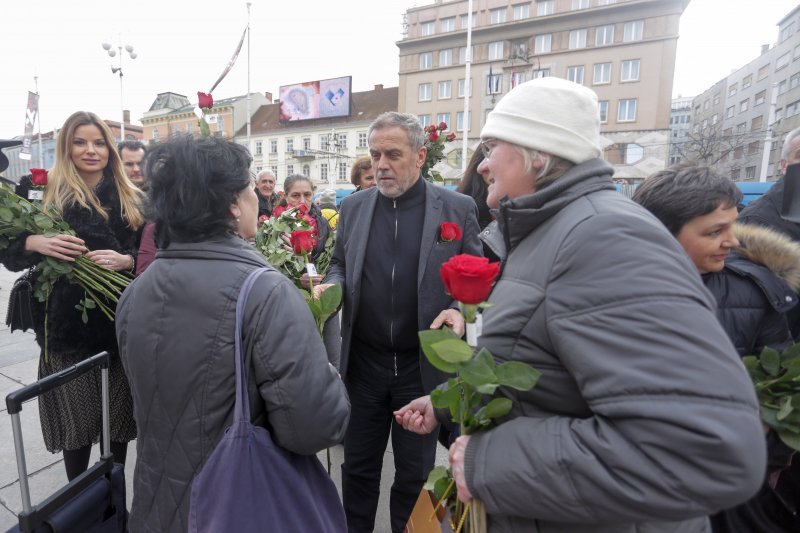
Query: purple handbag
[251,484]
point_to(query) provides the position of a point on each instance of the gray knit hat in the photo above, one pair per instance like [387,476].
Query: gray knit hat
[327,197]
[548,114]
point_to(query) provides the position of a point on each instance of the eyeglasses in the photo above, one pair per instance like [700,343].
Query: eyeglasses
[487,146]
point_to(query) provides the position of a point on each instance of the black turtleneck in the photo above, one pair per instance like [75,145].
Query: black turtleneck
[386,326]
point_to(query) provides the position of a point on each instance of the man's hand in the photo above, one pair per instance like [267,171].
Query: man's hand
[452,318]
[319,289]
[304,282]
[457,451]
[417,416]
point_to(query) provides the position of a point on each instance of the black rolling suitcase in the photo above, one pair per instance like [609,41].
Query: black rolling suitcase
[92,502]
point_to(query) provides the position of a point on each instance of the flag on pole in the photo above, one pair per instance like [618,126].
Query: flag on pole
[491,80]
[231,62]
[30,119]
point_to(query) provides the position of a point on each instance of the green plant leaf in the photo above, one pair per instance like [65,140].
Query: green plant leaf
[517,375]
[453,350]
[438,472]
[330,299]
[478,373]
[786,408]
[770,361]
[496,408]
[791,439]
[426,340]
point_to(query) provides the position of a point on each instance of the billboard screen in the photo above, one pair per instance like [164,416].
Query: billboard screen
[316,99]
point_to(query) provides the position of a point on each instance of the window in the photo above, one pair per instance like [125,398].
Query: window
[716,99]
[738,152]
[794,80]
[575,74]
[544,7]
[744,105]
[705,123]
[494,84]
[289,170]
[714,118]
[460,121]
[324,142]
[497,16]
[604,35]
[633,31]
[259,147]
[763,72]
[732,90]
[155,134]
[796,55]
[786,32]
[465,20]
[426,28]
[760,98]
[323,171]
[517,78]
[425,61]
[782,87]
[756,123]
[730,111]
[290,145]
[445,58]
[343,175]
[623,153]
[580,4]
[443,117]
[188,128]
[605,2]
[519,50]
[462,54]
[275,170]
[306,170]
[341,140]
[306,143]
[496,50]
[445,89]
[630,70]
[447,25]
[747,81]
[782,61]
[362,139]
[735,173]
[627,110]
[750,173]
[424,92]
[542,43]
[752,148]
[425,120]
[602,73]
[602,107]
[540,73]
[273,146]
[461,88]
[741,128]
[792,109]
[706,104]
[577,39]
[522,11]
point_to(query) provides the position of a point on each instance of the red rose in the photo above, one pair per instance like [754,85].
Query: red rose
[449,232]
[302,241]
[263,218]
[204,101]
[39,177]
[442,126]
[451,137]
[302,209]
[431,128]
[433,137]
[278,211]
[468,278]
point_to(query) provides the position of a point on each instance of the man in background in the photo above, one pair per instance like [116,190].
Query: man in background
[132,154]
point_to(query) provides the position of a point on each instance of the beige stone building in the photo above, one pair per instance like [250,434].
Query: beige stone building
[623,49]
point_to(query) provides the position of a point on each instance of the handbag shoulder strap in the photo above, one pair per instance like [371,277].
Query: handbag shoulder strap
[242,409]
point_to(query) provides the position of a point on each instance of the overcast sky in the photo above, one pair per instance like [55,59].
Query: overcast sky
[183,46]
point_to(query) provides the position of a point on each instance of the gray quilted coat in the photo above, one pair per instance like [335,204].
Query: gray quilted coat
[175,326]
[644,419]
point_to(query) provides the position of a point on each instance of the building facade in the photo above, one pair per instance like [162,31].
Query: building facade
[322,149]
[738,125]
[680,117]
[623,49]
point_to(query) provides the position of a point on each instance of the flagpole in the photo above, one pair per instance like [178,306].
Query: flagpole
[248,75]
[467,90]
[39,118]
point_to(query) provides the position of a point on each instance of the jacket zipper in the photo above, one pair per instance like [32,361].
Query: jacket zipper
[394,263]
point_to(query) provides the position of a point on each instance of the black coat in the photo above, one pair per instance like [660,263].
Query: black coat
[66,332]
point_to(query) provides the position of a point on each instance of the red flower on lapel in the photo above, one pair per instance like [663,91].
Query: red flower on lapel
[449,232]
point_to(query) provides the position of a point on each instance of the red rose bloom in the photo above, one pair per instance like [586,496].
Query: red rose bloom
[39,177]
[278,211]
[263,218]
[204,101]
[451,137]
[468,278]
[302,241]
[302,209]
[433,137]
[449,232]
[442,126]
[431,128]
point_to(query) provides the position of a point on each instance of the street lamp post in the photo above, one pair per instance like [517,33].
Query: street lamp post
[114,70]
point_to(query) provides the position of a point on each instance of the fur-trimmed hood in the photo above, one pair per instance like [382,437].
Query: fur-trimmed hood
[774,250]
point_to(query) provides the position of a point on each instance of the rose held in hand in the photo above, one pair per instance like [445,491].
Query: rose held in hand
[204,101]
[468,278]
[302,241]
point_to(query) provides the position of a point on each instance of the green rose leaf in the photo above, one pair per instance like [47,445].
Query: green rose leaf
[770,361]
[517,375]
[438,472]
[453,350]
[330,299]
[427,339]
[791,439]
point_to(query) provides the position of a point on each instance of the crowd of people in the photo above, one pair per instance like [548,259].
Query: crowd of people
[635,311]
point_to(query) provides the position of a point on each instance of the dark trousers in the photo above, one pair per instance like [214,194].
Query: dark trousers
[375,393]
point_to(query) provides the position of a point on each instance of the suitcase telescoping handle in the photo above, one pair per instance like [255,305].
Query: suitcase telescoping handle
[15,400]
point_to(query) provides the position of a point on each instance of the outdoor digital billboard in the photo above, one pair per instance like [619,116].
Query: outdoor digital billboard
[316,99]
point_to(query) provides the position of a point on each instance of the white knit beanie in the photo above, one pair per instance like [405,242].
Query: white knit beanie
[548,114]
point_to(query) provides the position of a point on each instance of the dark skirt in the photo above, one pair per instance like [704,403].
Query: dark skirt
[71,415]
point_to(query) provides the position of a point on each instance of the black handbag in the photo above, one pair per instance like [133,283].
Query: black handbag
[19,315]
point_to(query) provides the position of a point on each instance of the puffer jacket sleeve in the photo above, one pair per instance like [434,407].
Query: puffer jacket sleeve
[14,257]
[672,430]
[774,332]
[306,401]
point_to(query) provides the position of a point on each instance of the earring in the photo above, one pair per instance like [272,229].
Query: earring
[237,219]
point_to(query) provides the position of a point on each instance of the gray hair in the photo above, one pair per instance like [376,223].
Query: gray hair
[787,143]
[552,166]
[684,192]
[408,122]
[264,173]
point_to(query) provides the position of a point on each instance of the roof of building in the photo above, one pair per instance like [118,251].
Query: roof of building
[182,104]
[365,106]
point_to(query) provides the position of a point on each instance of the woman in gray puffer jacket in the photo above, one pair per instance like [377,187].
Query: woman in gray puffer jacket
[176,324]
[643,419]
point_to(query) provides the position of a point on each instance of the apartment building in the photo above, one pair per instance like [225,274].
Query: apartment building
[680,117]
[323,148]
[734,121]
[623,49]
[173,113]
